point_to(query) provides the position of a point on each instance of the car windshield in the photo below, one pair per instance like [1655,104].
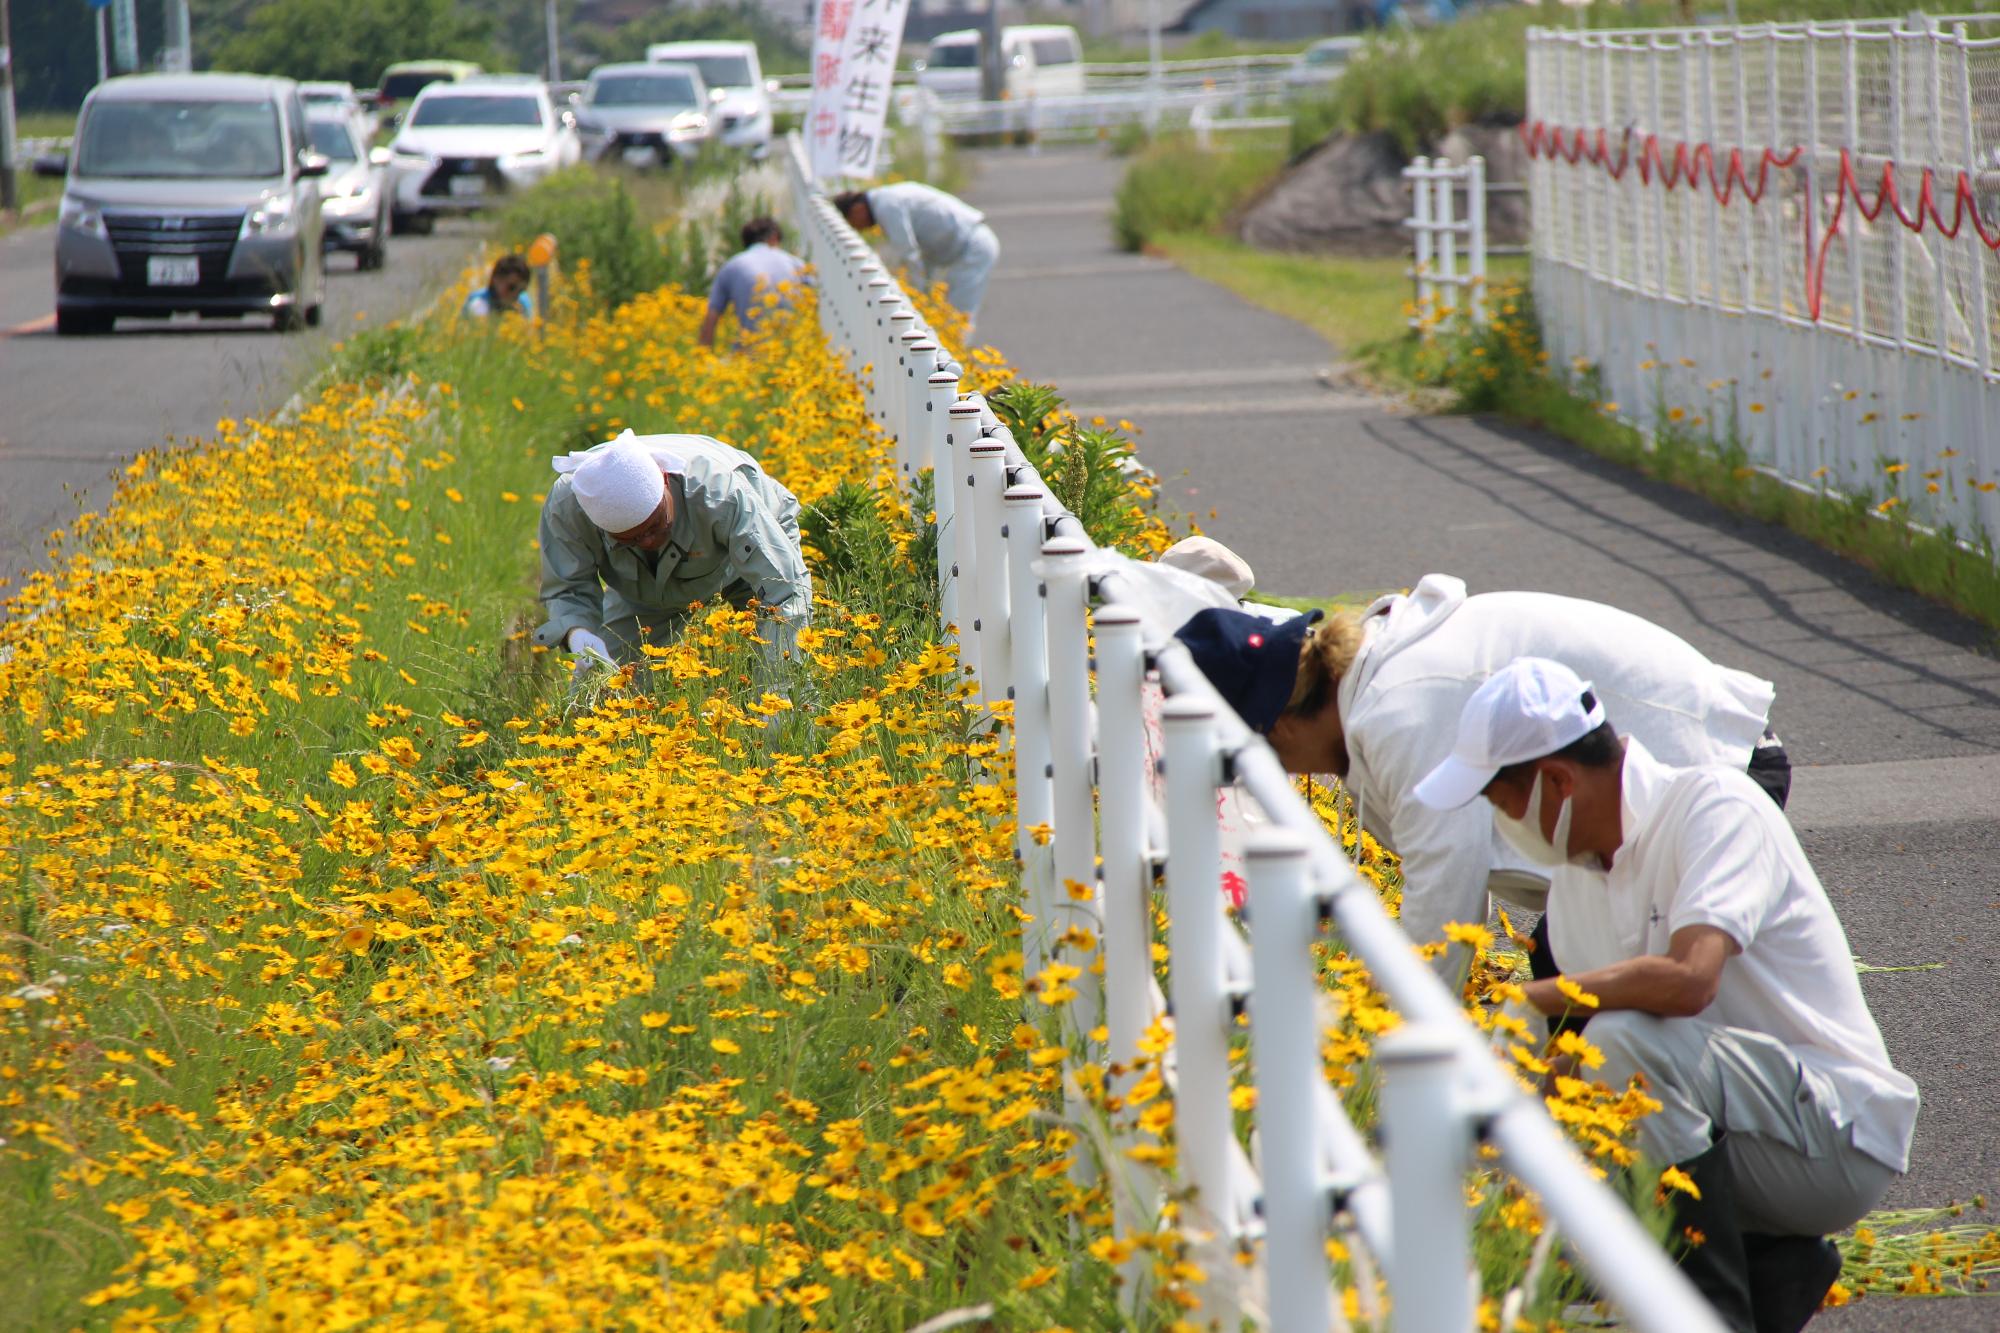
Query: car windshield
[643,90]
[398,87]
[177,139]
[959,55]
[720,71]
[439,112]
[331,138]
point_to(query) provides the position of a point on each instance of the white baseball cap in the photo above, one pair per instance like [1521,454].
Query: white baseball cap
[1213,561]
[1528,709]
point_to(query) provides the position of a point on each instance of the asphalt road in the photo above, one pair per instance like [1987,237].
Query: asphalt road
[73,409]
[1889,705]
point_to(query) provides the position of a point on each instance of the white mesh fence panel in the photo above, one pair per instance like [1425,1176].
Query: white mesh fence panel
[1778,235]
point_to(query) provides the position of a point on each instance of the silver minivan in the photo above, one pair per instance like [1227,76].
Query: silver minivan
[189,192]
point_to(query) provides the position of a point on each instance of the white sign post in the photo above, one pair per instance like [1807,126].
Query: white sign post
[854,76]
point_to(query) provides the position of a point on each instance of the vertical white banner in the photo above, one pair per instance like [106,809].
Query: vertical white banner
[854,76]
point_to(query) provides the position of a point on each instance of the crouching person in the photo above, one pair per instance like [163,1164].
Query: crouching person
[1682,901]
[637,530]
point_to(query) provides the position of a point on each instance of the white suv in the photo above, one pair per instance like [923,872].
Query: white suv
[740,112]
[463,144]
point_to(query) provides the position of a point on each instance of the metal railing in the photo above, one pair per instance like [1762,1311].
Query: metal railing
[1024,591]
[1435,227]
[1782,236]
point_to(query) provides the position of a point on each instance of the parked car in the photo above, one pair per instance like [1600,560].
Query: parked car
[739,97]
[354,199]
[401,82]
[189,192]
[1037,60]
[464,144]
[1322,62]
[644,114]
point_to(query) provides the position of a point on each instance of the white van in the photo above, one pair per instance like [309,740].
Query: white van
[1039,60]
[740,100]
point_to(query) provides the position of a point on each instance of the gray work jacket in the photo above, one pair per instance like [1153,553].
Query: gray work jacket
[733,525]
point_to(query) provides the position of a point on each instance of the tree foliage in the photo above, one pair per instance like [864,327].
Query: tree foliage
[354,39]
[779,44]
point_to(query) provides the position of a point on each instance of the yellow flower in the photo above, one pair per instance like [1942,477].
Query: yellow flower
[1576,994]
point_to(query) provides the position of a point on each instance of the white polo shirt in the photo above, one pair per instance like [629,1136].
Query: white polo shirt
[1706,847]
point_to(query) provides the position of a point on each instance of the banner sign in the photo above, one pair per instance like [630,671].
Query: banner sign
[854,77]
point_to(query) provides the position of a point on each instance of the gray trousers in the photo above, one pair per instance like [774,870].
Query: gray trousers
[1797,1171]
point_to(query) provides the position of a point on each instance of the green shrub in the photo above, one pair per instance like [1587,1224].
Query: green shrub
[1172,185]
[592,216]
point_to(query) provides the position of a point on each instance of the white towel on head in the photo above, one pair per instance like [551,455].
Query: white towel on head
[619,484]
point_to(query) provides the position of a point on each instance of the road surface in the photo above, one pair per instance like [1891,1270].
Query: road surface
[1889,705]
[73,409]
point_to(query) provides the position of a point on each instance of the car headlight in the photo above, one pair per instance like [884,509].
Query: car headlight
[688,127]
[273,217]
[82,217]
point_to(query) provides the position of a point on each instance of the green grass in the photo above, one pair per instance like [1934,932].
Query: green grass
[1174,186]
[37,196]
[1355,304]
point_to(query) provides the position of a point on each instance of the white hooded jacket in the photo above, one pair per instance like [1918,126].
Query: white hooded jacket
[1424,654]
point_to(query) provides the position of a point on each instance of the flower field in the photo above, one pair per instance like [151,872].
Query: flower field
[357,973]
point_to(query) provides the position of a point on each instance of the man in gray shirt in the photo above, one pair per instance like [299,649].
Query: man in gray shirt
[743,283]
[933,234]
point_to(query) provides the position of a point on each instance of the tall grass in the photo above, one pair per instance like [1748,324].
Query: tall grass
[1172,185]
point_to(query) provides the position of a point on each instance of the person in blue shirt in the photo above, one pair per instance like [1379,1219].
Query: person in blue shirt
[743,282]
[505,292]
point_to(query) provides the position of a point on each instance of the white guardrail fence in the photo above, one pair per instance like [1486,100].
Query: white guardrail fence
[1782,236]
[1436,226]
[1015,572]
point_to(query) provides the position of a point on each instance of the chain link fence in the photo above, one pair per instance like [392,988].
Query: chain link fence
[1781,238]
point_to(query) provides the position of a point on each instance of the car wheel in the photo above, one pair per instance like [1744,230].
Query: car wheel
[82,323]
[313,316]
[289,319]
[423,224]
[369,257]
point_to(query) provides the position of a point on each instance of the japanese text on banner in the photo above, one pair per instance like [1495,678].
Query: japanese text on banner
[854,72]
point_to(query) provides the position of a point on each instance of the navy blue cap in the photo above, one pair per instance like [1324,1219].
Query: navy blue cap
[1251,661]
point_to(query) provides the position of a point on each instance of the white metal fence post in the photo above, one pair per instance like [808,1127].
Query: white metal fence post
[1444,208]
[1284,1036]
[1122,792]
[943,389]
[1418,174]
[1475,217]
[1034,788]
[986,486]
[913,447]
[1428,1145]
[1070,748]
[947,483]
[1202,1016]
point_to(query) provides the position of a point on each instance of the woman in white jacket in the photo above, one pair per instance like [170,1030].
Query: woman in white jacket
[1374,699]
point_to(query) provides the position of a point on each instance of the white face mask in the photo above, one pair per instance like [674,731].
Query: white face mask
[1525,835]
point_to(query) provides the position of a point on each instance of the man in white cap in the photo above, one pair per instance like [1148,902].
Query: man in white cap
[1681,901]
[1373,698]
[638,529]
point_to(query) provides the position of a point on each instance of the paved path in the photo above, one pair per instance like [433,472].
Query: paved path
[1890,705]
[73,409]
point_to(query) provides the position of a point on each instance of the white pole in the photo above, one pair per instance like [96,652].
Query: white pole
[944,396]
[1418,175]
[1475,215]
[1203,1127]
[179,40]
[1070,748]
[103,49]
[1154,69]
[986,486]
[1128,894]
[1444,207]
[1284,1034]
[1428,1145]
[1034,792]
[554,46]
[912,440]
[963,589]
[1121,798]
[896,380]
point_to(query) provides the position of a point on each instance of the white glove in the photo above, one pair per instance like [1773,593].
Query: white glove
[590,652]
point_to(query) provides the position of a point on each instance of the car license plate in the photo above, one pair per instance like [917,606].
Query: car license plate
[172,270]
[639,154]
[465,185]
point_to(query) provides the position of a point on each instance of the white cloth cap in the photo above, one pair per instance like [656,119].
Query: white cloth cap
[1528,709]
[1213,561]
[619,484]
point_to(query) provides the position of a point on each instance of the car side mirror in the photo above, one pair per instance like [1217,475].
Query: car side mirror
[313,164]
[52,165]
[378,157]
[772,85]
